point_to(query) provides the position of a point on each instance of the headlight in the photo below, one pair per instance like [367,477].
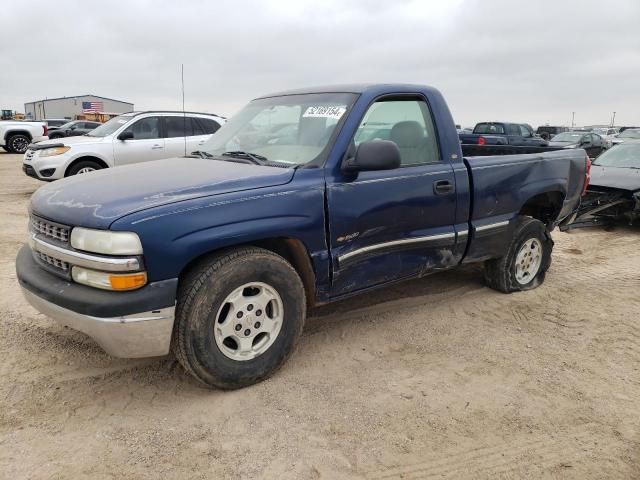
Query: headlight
[106,241]
[51,152]
[109,281]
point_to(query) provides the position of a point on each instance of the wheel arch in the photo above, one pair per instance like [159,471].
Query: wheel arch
[11,133]
[544,206]
[292,250]
[79,159]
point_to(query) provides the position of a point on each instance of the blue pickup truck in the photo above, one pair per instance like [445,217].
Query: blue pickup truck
[304,197]
[503,133]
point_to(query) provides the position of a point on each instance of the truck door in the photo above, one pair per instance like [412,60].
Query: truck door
[387,225]
[514,135]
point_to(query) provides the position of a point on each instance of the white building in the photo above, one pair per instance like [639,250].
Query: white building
[69,107]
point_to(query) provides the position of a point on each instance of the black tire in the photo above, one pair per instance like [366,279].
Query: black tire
[18,143]
[83,164]
[201,296]
[6,149]
[500,273]
[53,136]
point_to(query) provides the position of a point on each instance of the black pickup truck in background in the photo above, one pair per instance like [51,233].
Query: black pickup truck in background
[503,133]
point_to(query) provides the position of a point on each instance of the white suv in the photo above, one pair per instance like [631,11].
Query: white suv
[129,138]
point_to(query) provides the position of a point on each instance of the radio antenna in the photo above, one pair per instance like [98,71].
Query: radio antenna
[184,115]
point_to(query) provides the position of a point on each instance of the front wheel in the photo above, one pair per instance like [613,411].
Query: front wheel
[238,317]
[526,261]
[84,166]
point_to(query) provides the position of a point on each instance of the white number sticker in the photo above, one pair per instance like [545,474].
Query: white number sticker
[324,111]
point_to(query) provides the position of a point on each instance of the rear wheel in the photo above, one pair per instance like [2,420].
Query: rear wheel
[527,260]
[18,143]
[83,166]
[238,318]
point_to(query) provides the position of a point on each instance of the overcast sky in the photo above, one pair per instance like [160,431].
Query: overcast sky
[531,61]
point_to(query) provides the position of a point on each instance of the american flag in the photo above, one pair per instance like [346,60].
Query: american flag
[88,107]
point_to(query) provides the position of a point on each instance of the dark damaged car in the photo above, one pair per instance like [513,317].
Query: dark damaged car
[613,194]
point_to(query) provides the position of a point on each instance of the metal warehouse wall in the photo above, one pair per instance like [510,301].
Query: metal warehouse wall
[69,107]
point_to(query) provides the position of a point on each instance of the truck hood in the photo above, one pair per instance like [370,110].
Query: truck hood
[612,177]
[70,141]
[99,198]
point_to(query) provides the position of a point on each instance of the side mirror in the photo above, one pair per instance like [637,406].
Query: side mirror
[373,155]
[126,135]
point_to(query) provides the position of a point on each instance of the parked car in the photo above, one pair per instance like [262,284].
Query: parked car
[592,143]
[221,255]
[129,138]
[15,136]
[622,129]
[613,195]
[55,122]
[605,131]
[627,135]
[73,129]
[502,133]
[548,131]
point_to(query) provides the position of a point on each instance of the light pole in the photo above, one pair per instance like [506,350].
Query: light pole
[613,119]
[573,118]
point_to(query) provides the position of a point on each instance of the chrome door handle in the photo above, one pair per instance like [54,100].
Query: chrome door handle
[157,147]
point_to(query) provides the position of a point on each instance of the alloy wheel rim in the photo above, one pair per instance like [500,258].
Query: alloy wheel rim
[86,170]
[528,261]
[248,321]
[20,144]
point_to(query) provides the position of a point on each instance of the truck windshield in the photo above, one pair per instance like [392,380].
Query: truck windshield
[109,127]
[489,128]
[626,155]
[291,129]
[635,134]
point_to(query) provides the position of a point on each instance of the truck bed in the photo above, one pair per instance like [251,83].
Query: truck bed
[495,201]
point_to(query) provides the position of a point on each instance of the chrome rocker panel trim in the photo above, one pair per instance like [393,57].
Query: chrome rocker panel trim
[146,334]
[492,226]
[394,243]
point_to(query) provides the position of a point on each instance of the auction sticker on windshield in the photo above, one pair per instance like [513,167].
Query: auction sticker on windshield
[325,111]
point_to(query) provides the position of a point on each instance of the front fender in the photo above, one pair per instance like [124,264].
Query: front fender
[174,235]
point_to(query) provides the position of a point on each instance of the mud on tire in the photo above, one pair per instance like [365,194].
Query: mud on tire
[504,275]
[203,296]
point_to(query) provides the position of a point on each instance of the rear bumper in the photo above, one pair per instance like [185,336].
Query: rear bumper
[125,324]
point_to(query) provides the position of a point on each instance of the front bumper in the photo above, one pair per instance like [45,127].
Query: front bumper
[131,324]
[146,334]
[47,168]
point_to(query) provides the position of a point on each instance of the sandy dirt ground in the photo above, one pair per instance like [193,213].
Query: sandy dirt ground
[436,378]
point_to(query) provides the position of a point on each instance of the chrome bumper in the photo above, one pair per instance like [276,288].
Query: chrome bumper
[146,334]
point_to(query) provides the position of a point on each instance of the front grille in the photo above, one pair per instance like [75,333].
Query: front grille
[54,262]
[50,230]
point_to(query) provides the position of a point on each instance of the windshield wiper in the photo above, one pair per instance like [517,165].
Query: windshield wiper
[201,154]
[253,157]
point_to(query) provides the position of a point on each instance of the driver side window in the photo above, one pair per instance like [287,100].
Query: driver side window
[145,128]
[524,131]
[407,123]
